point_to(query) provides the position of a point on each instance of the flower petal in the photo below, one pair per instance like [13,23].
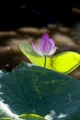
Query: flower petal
[46,48]
[36,49]
[52,42]
[45,36]
[53,50]
[44,39]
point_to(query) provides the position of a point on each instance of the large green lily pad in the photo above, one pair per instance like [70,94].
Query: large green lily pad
[32,89]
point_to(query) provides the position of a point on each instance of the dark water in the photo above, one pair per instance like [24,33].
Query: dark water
[14,14]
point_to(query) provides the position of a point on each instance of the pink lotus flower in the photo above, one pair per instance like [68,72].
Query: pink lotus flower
[46,47]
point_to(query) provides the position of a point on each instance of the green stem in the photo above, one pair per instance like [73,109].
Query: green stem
[44,61]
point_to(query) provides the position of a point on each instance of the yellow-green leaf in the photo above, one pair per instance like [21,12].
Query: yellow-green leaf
[31,117]
[5,119]
[64,62]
